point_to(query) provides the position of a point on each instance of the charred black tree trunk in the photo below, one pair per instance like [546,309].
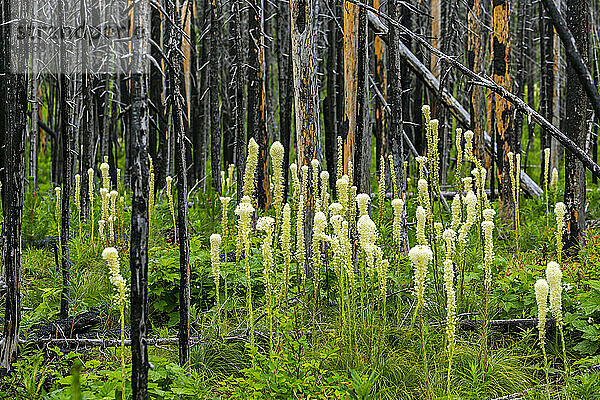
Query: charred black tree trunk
[67,171]
[138,252]
[546,84]
[156,128]
[362,153]
[238,110]
[578,20]
[257,99]
[215,129]
[13,98]
[329,103]
[197,124]
[286,97]
[395,97]
[175,101]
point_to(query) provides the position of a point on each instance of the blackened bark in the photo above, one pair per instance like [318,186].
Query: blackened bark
[138,252]
[14,100]
[546,84]
[362,155]
[215,129]
[156,127]
[238,78]
[66,170]
[286,97]
[329,103]
[175,100]
[257,127]
[576,56]
[197,124]
[578,20]
[395,96]
[500,42]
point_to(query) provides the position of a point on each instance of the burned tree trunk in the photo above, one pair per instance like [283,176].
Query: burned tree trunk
[546,84]
[156,128]
[257,102]
[380,125]
[362,154]
[475,51]
[395,96]
[66,133]
[215,129]
[176,101]
[329,103]
[138,253]
[504,111]
[578,20]
[306,93]
[286,97]
[238,78]
[13,97]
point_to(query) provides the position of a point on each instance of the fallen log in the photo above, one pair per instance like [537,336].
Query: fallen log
[507,325]
[65,328]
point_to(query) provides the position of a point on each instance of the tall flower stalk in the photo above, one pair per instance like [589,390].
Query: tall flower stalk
[560,210]
[449,237]
[554,278]
[111,255]
[420,256]
[276,153]
[169,181]
[286,247]
[57,212]
[249,172]
[244,212]
[266,224]
[487,227]
[541,298]
[215,261]
[90,173]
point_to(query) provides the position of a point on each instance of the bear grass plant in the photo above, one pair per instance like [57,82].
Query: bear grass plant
[356,325]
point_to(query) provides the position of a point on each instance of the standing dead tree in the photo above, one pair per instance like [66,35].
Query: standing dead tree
[257,102]
[13,97]
[138,253]
[500,44]
[173,36]
[578,20]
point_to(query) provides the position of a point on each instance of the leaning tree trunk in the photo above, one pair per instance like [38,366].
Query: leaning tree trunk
[14,102]
[578,17]
[138,250]
[176,101]
[504,111]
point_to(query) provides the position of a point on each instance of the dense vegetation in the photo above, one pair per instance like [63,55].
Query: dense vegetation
[248,199]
